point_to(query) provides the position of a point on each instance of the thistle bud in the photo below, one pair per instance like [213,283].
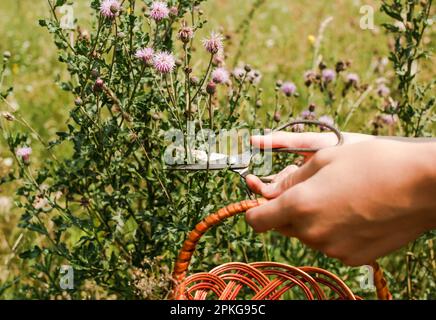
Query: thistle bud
[211,88]
[185,34]
[277,116]
[312,107]
[98,85]
[247,68]
[194,81]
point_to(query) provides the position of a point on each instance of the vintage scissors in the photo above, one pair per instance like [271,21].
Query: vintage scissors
[240,164]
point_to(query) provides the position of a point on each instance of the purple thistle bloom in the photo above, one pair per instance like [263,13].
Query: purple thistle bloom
[388,119]
[383,90]
[159,11]
[288,88]
[214,43]
[327,120]
[110,8]
[254,77]
[220,75]
[24,153]
[185,34]
[309,75]
[328,75]
[145,55]
[353,78]
[164,62]
[239,73]
[307,115]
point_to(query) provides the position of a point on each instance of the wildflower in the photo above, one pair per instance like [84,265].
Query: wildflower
[309,77]
[218,59]
[327,120]
[214,43]
[254,77]
[40,203]
[352,79]
[185,34]
[145,55]
[308,115]
[299,127]
[311,38]
[211,88]
[24,153]
[8,116]
[98,85]
[220,75]
[383,90]
[238,73]
[174,11]
[328,75]
[388,119]
[288,88]
[341,66]
[110,8]
[159,11]
[164,62]
[277,116]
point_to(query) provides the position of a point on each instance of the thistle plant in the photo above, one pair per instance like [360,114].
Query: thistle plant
[415,103]
[104,201]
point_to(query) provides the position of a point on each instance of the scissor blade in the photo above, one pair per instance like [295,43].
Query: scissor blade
[212,166]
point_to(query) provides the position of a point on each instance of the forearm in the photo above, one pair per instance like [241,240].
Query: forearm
[426,155]
[408,139]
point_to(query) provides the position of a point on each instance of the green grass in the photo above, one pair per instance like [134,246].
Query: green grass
[277,44]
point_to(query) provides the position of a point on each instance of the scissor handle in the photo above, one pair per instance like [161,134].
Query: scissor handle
[333,129]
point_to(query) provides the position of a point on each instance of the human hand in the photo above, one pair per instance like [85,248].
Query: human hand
[355,202]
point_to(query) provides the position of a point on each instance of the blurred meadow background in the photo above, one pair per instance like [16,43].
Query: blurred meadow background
[279,42]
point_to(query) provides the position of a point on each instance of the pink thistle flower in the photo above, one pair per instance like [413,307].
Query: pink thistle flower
[220,75]
[164,62]
[288,88]
[214,43]
[308,115]
[24,153]
[388,119]
[110,8]
[327,120]
[383,90]
[174,11]
[159,11]
[328,75]
[145,55]
[352,78]
[185,34]
[239,73]
[254,77]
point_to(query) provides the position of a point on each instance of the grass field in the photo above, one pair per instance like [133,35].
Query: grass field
[278,43]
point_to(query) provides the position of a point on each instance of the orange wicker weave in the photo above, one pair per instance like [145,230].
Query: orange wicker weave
[266,280]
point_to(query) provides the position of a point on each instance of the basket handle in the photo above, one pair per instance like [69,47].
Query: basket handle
[185,255]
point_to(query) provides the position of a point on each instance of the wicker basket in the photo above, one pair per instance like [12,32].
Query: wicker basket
[266,280]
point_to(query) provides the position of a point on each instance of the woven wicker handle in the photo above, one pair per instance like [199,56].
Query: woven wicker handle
[185,255]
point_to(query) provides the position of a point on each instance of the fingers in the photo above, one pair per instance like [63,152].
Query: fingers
[293,177]
[283,139]
[254,183]
[276,213]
